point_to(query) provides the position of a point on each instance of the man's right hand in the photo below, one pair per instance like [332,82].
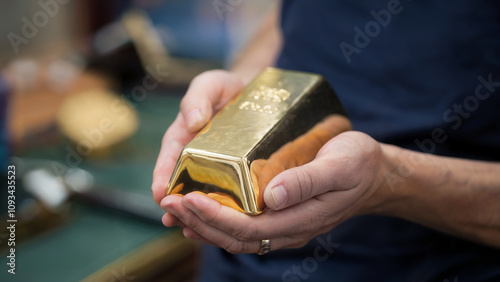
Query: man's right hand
[206,95]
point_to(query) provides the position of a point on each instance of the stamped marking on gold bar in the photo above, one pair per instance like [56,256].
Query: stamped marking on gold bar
[270,94]
[266,94]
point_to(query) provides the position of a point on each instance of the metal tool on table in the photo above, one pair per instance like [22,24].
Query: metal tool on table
[77,184]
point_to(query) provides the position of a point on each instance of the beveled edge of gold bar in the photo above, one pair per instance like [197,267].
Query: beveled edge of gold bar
[252,194]
[248,202]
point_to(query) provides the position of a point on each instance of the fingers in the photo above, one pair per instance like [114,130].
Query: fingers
[176,137]
[297,185]
[170,220]
[191,234]
[206,94]
[174,206]
[269,224]
[232,230]
[207,220]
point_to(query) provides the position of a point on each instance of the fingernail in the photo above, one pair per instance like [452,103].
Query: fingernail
[279,195]
[193,118]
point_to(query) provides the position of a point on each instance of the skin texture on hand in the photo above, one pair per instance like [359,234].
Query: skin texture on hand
[319,195]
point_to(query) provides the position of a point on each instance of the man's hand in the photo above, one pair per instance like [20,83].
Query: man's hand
[303,202]
[351,175]
[207,94]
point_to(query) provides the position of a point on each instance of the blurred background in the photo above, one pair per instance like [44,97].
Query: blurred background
[87,89]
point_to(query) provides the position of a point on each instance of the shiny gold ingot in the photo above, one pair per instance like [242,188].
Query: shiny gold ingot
[279,121]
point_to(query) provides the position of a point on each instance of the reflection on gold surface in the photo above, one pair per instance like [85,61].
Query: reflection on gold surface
[279,121]
[296,152]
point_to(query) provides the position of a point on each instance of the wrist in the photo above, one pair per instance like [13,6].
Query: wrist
[391,174]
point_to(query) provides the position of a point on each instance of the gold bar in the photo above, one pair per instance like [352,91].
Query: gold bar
[279,121]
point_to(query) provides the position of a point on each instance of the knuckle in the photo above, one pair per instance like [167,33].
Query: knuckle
[234,247]
[199,77]
[206,76]
[211,218]
[246,247]
[305,181]
[246,233]
[193,224]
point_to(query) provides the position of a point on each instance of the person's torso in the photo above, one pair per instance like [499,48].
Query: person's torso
[423,75]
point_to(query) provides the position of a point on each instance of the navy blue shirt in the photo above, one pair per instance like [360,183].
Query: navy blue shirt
[423,75]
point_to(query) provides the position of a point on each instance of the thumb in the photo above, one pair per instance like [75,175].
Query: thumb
[208,93]
[343,163]
[297,185]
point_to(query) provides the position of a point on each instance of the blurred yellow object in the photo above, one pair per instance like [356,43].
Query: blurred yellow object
[96,119]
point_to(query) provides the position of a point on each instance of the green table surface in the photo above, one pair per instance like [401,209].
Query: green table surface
[95,237]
